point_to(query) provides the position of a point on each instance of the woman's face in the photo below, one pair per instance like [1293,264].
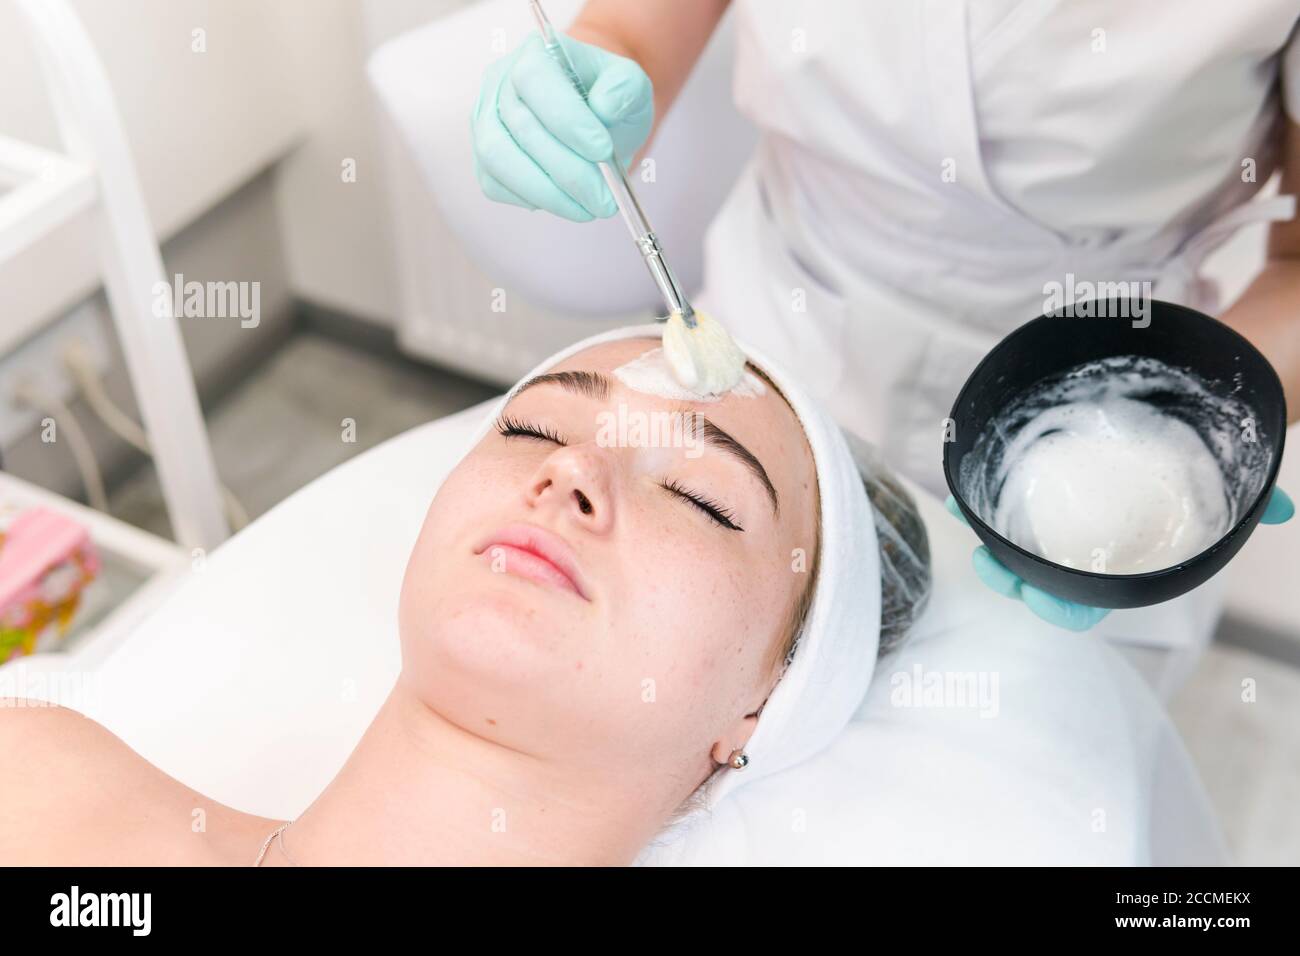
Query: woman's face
[653,639]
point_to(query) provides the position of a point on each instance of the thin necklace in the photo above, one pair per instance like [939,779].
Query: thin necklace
[278,832]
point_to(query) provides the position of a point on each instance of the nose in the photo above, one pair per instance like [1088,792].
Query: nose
[575,482]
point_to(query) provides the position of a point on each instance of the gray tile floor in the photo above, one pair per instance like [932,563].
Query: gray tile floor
[283,427]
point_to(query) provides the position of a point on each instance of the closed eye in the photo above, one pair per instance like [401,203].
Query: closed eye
[714,510]
[512,427]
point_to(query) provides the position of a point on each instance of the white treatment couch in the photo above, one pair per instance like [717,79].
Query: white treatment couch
[254,680]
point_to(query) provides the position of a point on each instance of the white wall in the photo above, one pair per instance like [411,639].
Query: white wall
[336,233]
[200,124]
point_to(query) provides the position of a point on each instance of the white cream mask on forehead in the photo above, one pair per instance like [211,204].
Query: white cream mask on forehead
[650,374]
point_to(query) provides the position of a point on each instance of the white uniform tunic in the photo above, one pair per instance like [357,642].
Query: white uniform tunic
[929,171]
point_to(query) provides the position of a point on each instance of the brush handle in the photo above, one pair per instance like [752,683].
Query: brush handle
[616,178]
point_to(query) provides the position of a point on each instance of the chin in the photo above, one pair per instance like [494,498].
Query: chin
[496,628]
[498,662]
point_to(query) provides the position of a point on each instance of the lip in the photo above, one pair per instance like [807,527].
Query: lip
[543,556]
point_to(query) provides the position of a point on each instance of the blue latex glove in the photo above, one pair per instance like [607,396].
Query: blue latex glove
[1054,610]
[536,142]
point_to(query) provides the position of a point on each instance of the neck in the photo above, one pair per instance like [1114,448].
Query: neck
[419,790]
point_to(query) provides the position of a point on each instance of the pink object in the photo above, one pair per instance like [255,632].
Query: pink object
[46,560]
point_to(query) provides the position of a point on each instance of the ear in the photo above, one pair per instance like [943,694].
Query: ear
[736,738]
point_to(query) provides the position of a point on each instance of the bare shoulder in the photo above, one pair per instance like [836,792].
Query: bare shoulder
[76,794]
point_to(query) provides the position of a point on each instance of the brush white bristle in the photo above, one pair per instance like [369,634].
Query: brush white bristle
[704,359]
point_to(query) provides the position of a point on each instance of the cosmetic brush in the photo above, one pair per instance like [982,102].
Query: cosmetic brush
[702,355]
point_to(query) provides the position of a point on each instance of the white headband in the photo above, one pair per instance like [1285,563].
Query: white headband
[836,654]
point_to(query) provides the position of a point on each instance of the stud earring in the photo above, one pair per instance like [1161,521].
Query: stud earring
[739,760]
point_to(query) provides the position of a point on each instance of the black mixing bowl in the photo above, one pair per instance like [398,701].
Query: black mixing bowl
[1053,344]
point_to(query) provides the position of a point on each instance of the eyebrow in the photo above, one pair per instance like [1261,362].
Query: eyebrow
[588,384]
[597,385]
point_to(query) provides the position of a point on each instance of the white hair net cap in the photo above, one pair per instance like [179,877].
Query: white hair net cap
[836,651]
